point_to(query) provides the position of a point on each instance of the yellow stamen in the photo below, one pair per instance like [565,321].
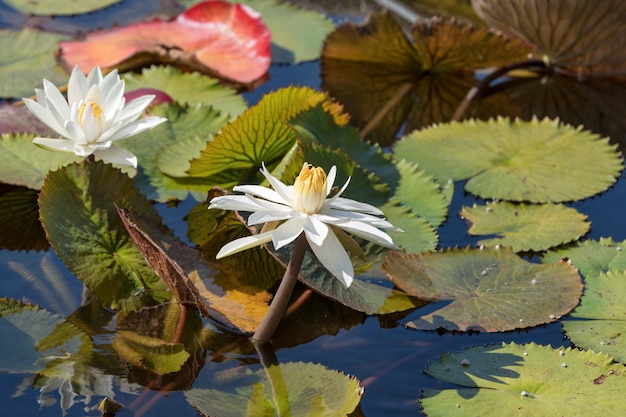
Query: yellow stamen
[309,190]
[95,109]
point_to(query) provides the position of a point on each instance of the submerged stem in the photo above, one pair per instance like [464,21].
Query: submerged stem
[279,303]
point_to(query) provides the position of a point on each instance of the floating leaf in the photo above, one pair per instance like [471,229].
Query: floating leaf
[260,134]
[77,211]
[16,118]
[188,88]
[282,390]
[599,322]
[592,257]
[388,82]
[417,234]
[214,36]
[28,57]
[530,380]
[487,290]
[163,265]
[172,143]
[526,227]
[23,163]
[19,220]
[536,161]
[422,194]
[579,34]
[59,7]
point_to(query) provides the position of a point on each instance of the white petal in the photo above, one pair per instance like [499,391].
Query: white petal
[110,80]
[334,215]
[56,143]
[56,99]
[244,243]
[133,109]
[117,155]
[75,133]
[367,232]
[330,179]
[316,231]
[237,202]
[90,125]
[77,87]
[351,205]
[283,190]
[259,217]
[287,232]
[263,192]
[134,128]
[45,116]
[334,257]
[95,76]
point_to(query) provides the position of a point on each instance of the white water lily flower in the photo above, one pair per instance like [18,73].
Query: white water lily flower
[305,207]
[94,116]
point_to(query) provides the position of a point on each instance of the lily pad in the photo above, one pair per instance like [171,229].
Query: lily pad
[23,163]
[388,82]
[27,58]
[150,353]
[536,161]
[599,322]
[282,390]
[59,7]
[488,290]
[529,380]
[77,211]
[297,34]
[213,37]
[260,134]
[188,88]
[171,145]
[417,235]
[592,257]
[579,35]
[526,227]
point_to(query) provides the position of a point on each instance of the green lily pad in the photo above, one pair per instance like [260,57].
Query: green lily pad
[587,45]
[26,164]
[417,235]
[77,211]
[27,58]
[259,135]
[281,390]
[188,88]
[422,194]
[536,161]
[528,380]
[150,353]
[171,144]
[526,227]
[592,257]
[599,322]
[59,7]
[488,290]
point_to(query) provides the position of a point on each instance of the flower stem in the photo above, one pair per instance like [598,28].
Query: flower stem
[279,303]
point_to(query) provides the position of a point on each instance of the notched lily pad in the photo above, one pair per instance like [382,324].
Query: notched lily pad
[526,227]
[592,257]
[599,322]
[536,161]
[530,380]
[488,290]
[582,35]
[227,40]
[19,220]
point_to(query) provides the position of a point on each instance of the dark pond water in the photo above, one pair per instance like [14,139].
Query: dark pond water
[388,359]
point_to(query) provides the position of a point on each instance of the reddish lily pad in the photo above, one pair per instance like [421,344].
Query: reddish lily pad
[214,37]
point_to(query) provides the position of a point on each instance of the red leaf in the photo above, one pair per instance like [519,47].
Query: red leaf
[214,36]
